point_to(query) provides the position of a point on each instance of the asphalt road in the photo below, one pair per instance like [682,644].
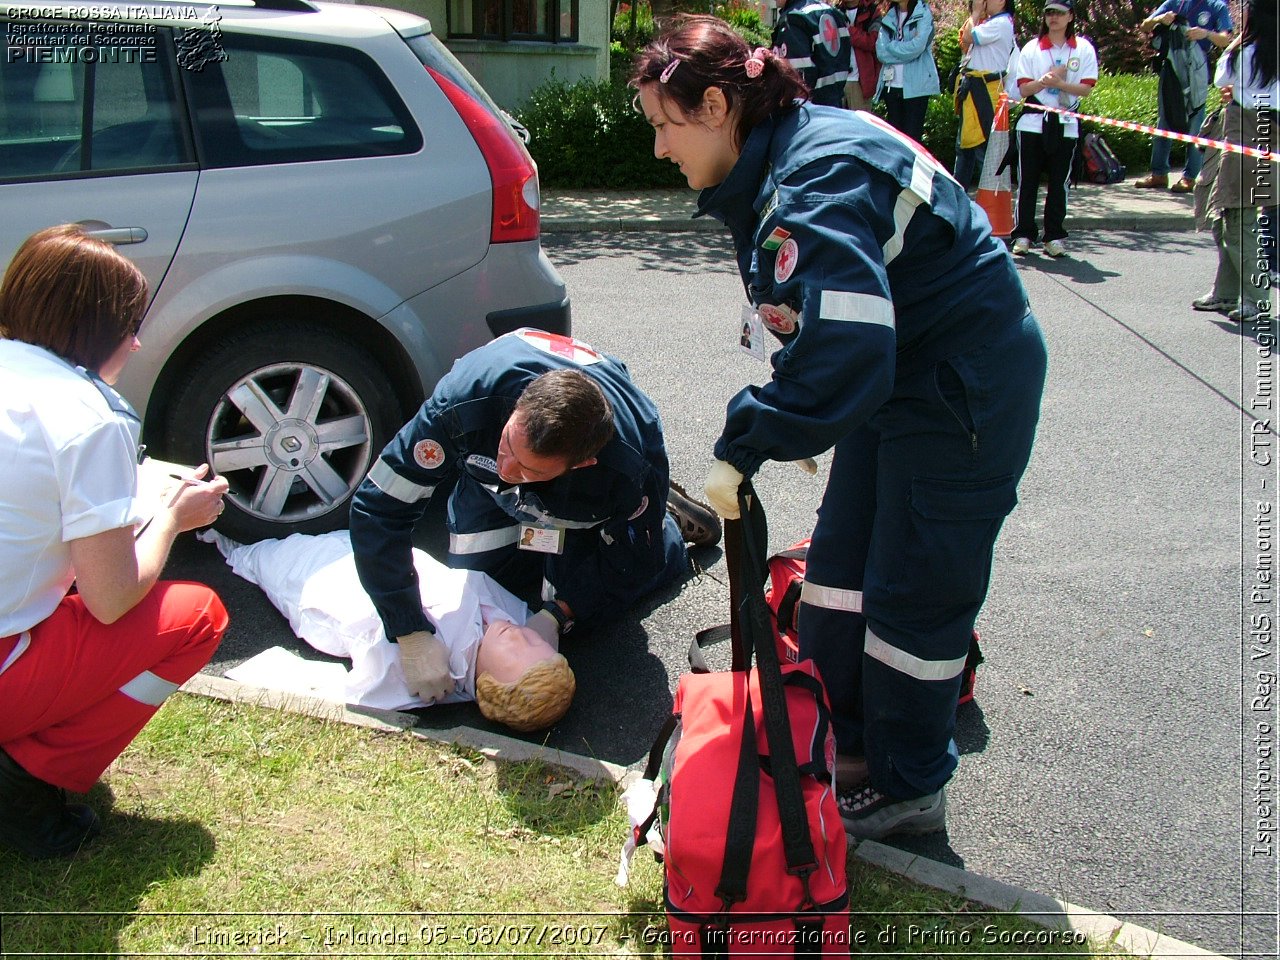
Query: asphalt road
[1102,762]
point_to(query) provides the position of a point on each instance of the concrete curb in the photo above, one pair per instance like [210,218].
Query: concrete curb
[632,224]
[495,746]
[1044,911]
[1132,223]
[1125,223]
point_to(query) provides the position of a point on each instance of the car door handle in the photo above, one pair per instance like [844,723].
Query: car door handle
[119,234]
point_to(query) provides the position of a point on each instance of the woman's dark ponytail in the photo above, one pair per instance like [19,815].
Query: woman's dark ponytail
[695,52]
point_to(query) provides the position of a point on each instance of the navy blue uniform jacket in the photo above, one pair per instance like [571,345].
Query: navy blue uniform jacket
[865,259]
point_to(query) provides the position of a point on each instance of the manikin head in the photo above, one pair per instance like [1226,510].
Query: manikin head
[521,681]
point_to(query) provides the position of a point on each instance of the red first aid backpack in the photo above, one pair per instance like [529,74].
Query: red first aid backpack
[754,847]
[786,580]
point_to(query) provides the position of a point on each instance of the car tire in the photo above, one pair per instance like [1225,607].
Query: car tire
[293,417]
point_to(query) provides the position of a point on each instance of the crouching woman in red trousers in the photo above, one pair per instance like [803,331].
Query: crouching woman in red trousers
[81,672]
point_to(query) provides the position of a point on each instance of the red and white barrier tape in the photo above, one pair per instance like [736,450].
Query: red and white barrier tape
[1224,145]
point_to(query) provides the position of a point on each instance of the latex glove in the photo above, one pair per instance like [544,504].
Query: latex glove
[545,625]
[425,662]
[808,465]
[721,489]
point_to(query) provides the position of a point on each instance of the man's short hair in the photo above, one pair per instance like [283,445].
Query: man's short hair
[565,414]
[72,294]
[537,700]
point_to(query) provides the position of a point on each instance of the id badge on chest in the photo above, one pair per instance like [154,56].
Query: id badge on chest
[541,539]
[751,334]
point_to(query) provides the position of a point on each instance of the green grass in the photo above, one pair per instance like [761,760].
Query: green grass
[236,830]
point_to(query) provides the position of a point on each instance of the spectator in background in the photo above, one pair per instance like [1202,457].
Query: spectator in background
[1207,23]
[987,42]
[813,37]
[864,69]
[1055,69]
[910,77]
[1233,184]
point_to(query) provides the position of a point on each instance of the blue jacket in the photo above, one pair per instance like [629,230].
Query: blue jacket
[813,37]
[865,259]
[914,51]
[613,511]
[1212,15]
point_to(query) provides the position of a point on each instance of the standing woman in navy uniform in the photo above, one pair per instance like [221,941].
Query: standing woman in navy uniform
[907,346]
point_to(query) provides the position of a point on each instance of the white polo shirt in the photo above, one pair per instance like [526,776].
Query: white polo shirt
[992,44]
[68,470]
[1038,57]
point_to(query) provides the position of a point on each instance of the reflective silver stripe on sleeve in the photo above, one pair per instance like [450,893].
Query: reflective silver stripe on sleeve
[920,191]
[831,598]
[147,688]
[855,308]
[909,664]
[24,641]
[394,485]
[462,544]
[801,63]
[828,80]
[548,590]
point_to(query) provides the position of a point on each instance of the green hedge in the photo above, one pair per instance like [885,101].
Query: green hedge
[587,134]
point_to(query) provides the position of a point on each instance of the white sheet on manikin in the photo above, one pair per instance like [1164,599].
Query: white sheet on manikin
[312,581]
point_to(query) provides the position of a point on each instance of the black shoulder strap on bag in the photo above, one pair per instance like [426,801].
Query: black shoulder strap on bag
[757,635]
[741,657]
[746,541]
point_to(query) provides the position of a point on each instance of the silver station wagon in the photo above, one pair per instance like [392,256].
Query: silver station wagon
[328,207]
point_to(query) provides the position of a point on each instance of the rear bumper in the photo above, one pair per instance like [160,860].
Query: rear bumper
[552,317]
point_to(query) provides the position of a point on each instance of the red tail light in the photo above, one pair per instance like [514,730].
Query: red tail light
[515,178]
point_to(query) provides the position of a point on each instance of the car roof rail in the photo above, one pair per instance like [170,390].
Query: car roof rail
[296,6]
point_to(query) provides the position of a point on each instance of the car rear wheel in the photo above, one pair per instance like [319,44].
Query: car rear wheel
[293,417]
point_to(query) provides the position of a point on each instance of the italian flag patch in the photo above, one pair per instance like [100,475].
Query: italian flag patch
[774,240]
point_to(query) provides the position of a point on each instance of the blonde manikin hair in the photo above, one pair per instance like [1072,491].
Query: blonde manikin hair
[537,700]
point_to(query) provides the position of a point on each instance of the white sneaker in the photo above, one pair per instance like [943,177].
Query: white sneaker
[1054,248]
[869,815]
[1021,246]
[1211,304]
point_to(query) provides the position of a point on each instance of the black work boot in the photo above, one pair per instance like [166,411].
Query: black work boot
[35,818]
[698,523]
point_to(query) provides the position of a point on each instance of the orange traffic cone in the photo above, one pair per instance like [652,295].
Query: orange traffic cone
[995,185]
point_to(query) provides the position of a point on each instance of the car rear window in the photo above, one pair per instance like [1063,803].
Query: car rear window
[283,101]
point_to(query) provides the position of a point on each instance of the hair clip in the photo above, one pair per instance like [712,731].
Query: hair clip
[755,63]
[668,70]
